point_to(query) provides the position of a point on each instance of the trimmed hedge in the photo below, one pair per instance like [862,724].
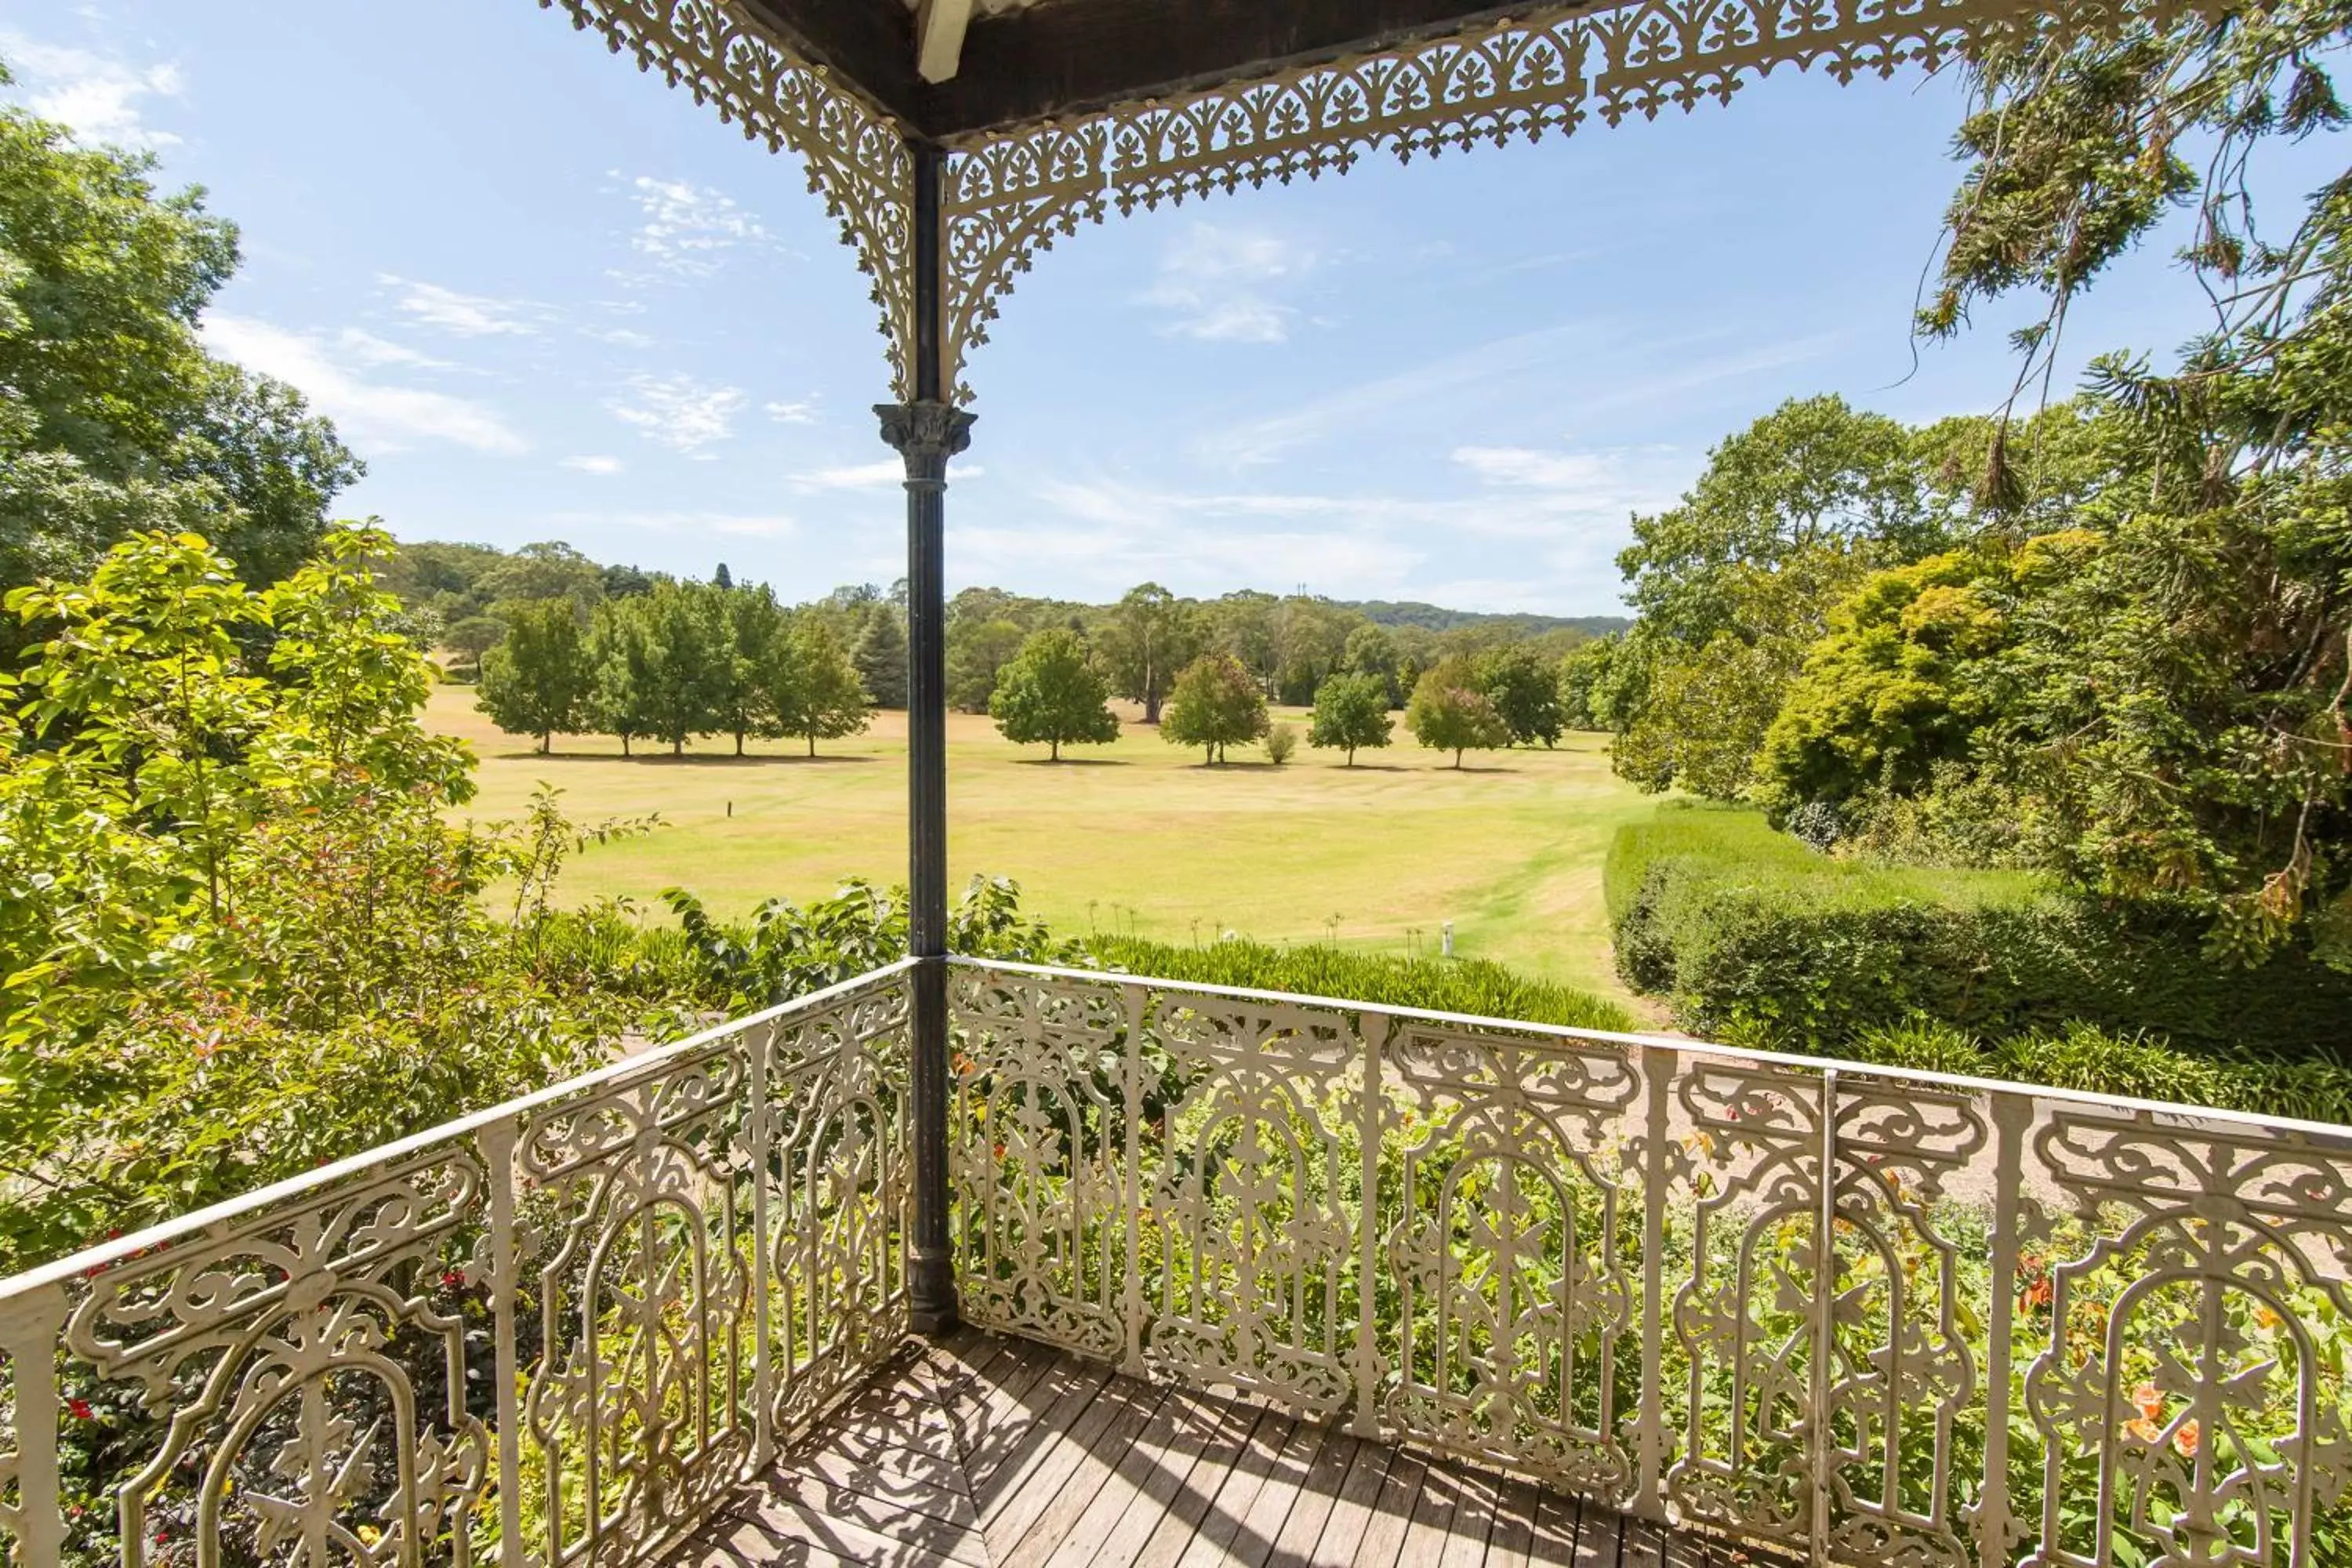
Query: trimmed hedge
[1443,985]
[1750,935]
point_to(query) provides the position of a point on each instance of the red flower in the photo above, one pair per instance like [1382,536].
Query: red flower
[453,1279]
[79,1410]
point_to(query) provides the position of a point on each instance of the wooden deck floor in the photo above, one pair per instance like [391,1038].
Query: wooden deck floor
[997,1453]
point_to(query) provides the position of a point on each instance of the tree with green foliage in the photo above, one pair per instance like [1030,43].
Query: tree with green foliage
[881,655]
[685,640]
[1372,650]
[1350,711]
[470,639]
[621,656]
[1214,703]
[1053,693]
[1449,712]
[1524,691]
[978,650]
[750,621]
[245,937]
[538,680]
[1147,638]
[1583,671]
[113,419]
[813,689]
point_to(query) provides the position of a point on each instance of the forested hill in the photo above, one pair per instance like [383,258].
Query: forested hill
[1437,618]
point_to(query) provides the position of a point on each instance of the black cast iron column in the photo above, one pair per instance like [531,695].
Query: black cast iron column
[926,433]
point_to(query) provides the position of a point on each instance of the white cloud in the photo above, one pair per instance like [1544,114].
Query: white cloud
[874,476]
[463,315]
[592,465]
[1536,470]
[620,337]
[366,348]
[792,412]
[386,416]
[689,228]
[98,96]
[1217,285]
[677,412]
[890,473]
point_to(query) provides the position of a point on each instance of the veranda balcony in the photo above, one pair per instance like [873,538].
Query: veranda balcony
[1243,1278]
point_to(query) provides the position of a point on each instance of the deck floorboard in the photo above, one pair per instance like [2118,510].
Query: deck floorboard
[980,1451]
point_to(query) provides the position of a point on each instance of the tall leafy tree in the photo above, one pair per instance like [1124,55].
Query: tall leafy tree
[750,621]
[620,652]
[1350,711]
[881,657]
[978,649]
[813,689]
[1215,703]
[1149,635]
[1052,692]
[538,680]
[1372,650]
[1449,712]
[1524,691]
[113,418]
[685,650]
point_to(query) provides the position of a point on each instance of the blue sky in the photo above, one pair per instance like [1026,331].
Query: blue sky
[546,296]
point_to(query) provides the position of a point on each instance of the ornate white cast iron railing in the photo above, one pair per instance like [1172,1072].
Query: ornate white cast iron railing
[553,1333]
[1876,1317]
[1872,1316]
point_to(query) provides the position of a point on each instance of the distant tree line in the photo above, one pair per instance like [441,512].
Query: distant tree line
[562,645]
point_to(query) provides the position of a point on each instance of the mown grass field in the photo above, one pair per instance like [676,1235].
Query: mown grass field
[1134,837]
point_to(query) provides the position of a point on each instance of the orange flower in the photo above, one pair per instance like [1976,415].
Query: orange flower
[2035,1295]
[2185,1440]
[2150,1403]
[2144,1430]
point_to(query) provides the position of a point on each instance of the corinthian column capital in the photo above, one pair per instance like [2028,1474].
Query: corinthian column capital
[926,435]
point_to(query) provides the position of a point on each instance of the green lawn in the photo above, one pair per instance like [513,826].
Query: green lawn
[1134,837]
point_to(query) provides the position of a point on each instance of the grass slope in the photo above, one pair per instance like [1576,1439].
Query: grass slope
[1133,838]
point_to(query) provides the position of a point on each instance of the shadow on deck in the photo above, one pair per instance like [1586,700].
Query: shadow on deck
[999,1453]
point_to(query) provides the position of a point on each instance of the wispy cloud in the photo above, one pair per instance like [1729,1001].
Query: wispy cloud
[875,476]
[619,337]
[463,315]
[592,465]
[792,412]
[387,416]
[885,475]
[101,98]
[1506,368]
[677,412]
[687,230]
[366,348]
[1218,285]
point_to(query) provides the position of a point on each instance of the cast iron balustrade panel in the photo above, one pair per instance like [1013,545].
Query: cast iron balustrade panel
[560,1333]
[1851,1314]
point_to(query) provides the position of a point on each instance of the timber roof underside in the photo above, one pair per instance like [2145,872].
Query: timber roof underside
[1058,57]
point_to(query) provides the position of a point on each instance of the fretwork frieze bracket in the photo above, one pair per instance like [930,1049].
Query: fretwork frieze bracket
[857,161]
[1007,197]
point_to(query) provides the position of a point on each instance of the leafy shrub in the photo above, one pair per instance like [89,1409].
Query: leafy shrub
[2142,1065]
[1281,744]
[787,950]
[1749,935]
[1456,985]
[1815,824]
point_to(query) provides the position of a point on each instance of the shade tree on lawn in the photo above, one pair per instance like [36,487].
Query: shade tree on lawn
[1052,693]
[1449,712]
[538,680]
[1215,703]
[813,690]
[1351,711]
